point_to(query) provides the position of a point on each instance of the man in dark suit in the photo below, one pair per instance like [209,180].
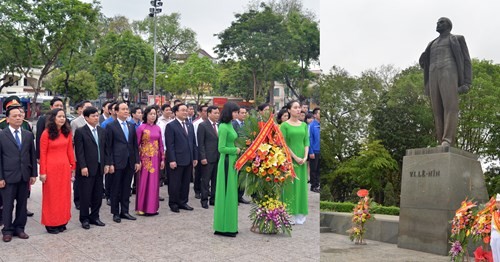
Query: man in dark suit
[18,169]
[123,161]
[208,155]
[447,73]
[238,125]
[90,146]
[182,156]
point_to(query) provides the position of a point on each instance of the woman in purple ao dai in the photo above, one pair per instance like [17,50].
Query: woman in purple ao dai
[152,161]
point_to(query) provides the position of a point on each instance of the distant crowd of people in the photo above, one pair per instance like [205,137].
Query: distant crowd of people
[118,151]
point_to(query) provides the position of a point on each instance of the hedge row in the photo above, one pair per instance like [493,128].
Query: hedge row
[347,207]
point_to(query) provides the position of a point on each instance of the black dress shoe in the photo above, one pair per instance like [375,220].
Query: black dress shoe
[243,201]
[22,235]
[117,218]
[29,213]
[186,207]
[204,205]
[162,199]
[7,238]
[85,225]
[52,230]
[226,234]
[97,222]
[197,195]
[174,209]
[128,216]
[212,203]
[62,228]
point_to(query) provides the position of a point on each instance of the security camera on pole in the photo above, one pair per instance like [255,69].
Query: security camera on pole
[153,11]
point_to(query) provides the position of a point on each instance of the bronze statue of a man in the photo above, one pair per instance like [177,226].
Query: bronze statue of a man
[447,73]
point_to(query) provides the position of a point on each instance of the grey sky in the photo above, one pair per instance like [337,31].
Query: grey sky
[205,17]
[364,34]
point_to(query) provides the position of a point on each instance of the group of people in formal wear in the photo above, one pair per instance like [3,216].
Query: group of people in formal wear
[150,147]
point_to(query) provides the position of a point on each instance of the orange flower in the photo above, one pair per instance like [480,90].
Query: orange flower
[270,171]
[282,179]
[486,239]
[268,179]
[248,142]
[362,193]
[255,170]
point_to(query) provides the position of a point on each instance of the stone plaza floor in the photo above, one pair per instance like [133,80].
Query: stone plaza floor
[184,236]
[336,247]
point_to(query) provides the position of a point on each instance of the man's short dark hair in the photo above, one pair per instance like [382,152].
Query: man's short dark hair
[315,110]
[176,107]
[81,104]
[200,107]
[164,106]
[111,105]
[177,101]
[117,105]
[54,100]
[89,111]
[134,110]
[211,108]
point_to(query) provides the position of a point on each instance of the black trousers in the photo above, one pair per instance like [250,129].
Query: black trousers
[197,178]
[178,185]
[314,170]
[90,189]
[76,192]
[108,181]
[17,192]
[208,180]
[120,190]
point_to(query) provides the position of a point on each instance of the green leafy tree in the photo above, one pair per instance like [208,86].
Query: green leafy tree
[372,168]
[77,87]
[39,32]
[235,79]
[198,75]
[257,38]
[171,37]
[479,120]
[123,60]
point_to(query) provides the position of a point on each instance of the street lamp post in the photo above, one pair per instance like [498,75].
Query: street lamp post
[153,11]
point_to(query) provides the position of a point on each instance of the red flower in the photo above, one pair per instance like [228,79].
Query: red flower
[481,255]
[362,192]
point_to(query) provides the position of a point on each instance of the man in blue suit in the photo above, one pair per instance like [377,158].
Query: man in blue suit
[182,156]
[18,169]
[123,161]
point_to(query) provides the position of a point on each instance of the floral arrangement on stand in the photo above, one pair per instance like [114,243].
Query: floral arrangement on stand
[361,215]
[265,167]
[460,231]
[270,216]
[472,221]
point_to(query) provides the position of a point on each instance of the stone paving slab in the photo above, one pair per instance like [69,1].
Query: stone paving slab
[336,247]
[186,236]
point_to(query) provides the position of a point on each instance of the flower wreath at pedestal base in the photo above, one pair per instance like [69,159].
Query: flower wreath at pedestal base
[265,167]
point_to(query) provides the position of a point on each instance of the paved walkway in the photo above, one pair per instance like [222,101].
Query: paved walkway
[185,236]
[336,247]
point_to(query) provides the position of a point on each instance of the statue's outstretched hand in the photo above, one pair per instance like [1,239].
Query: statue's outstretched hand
[463,89]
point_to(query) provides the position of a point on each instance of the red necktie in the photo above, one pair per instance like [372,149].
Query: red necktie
[215,129]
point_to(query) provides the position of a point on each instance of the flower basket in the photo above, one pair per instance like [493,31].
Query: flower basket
[270,217]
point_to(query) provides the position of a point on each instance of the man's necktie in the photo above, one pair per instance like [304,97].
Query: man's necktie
[125,129]
[185,128]
[94,132]
[18,140]
[215,129]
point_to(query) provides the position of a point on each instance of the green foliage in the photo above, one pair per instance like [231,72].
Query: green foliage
[171,37]
[326,193]
[198,75]
[78,87]
[123,60]
[269,45]
[37,33]
[347,207]
[479,121]
[492,180]
[390,198]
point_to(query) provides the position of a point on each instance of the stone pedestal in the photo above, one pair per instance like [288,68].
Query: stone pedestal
[434,183]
